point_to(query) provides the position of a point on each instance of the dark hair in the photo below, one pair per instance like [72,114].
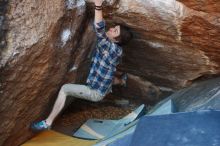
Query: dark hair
[125,35]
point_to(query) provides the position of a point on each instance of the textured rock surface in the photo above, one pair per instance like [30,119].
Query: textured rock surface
[46,43]
[3,24]
[42,40]
[138,91]
[175,42]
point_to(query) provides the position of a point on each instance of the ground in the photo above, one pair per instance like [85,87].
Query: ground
[112,107]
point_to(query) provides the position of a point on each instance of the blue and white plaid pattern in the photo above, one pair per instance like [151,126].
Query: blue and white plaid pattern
[104,61]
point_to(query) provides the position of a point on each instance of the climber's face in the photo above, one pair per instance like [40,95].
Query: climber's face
[113,32]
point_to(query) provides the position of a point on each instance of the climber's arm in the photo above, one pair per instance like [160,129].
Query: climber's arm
[98,11]
[99,24]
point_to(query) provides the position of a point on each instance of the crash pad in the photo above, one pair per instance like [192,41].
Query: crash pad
[124,137]
[200,128]
[99,129]
[125,141]
[166,106]
[52,138]
[199,96]
[127,130]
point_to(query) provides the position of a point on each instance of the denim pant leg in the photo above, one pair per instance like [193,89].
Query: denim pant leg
[82,92]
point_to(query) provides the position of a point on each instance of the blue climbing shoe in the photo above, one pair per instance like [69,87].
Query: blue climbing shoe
[40,126]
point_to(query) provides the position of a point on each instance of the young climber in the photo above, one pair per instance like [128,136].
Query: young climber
[103,68]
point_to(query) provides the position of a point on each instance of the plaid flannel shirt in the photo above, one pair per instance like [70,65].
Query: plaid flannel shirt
[104,61]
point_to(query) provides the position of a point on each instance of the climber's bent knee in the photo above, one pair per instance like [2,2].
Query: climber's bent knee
[95,96]
[66,87]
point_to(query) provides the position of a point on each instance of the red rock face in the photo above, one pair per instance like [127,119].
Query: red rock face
[208,6]
[49,43]
[174,42]
[42,40]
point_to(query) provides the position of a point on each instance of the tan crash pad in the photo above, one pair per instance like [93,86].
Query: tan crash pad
[52,138]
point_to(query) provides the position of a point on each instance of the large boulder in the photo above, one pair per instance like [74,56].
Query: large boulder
[42,39]
[175,42]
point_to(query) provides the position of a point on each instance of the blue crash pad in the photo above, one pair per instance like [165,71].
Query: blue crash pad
[199,96]
[99,129]
[164,107]
[124,138]
[122,134]
[125,141]
[199,128]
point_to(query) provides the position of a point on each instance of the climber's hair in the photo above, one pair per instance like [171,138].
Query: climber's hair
[125,35]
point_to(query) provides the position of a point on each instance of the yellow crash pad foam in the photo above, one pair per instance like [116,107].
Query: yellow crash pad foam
[52,138]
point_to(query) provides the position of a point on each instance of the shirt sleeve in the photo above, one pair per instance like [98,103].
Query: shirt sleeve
[117,50]
[100,30]
[103,41]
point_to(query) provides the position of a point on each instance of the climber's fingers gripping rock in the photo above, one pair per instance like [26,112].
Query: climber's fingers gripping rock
[97,2]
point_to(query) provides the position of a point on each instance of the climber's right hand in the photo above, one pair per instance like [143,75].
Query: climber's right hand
[96,2]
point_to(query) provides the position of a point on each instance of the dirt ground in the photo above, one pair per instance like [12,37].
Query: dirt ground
[80,111]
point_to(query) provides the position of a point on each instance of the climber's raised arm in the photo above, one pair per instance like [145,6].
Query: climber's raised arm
[98,11]
[99,24]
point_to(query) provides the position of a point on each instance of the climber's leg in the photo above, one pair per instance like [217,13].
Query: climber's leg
[74,90]
[77,91]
